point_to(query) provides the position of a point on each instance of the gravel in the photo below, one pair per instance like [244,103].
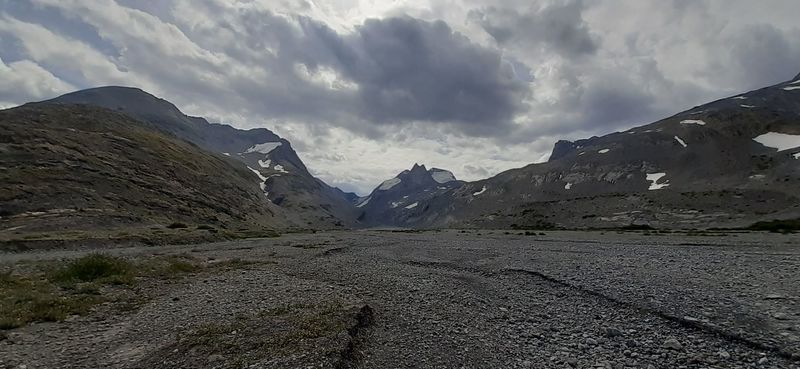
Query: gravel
[461,300]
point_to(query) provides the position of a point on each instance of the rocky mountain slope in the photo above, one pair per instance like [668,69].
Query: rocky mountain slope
[74,168]
[282,176]
[394,201]
[726,163]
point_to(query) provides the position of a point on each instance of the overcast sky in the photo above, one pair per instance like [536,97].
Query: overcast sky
[365,88]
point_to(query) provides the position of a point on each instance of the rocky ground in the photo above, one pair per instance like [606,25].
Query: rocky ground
[449,299]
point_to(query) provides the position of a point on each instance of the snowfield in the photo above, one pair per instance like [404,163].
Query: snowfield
[780,141]
[261,177]
[654,177]
[264,148]
[693,121]
[362,203]
[442,176]
[389,183]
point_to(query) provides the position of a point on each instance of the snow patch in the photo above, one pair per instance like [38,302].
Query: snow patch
[414,205]
[261,177]
[480,192]
[795,82]
[264,163]
[693,121]
[747,106]
[226,153]
[389,183]
[680,141]
[603,151]
[568,186]
[654,177]
[362,203]
[790,88]
[264,148]
[396,204]
[780,141]
[796,155]
[279,168]
[739,98]
[584,152]
[443,176]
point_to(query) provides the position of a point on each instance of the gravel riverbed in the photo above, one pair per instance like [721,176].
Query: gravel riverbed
[446,299]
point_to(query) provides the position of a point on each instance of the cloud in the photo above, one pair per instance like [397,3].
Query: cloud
[27,80]
[364,89]
[556,26]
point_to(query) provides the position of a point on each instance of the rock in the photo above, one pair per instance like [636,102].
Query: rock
[672,344]
[762,361]
[612,332]
[780,316]
[215,358]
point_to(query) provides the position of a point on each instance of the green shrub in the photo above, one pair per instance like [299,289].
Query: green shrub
[176,225]
[777,225]
[95,267]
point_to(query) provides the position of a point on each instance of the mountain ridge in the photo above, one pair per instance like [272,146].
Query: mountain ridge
[283,175]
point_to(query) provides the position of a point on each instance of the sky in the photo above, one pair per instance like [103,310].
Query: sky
[363,89]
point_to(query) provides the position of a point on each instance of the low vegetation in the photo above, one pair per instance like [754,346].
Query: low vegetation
[277,334]
[53,291]
[778,226]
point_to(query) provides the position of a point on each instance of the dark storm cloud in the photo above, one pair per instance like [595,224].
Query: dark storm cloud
[763,54]
[406,70]
[558,26]
[410,69]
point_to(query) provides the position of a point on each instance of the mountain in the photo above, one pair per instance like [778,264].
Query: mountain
[75,168]
[283,177]
[726,163]
[394,202]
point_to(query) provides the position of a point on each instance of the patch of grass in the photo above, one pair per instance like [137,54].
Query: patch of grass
[168,266]
[637,227]
[777,226]
[48,292]
[177,225]
[95,267]
[29,299]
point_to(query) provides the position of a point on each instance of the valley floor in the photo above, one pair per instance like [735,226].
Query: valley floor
[447,299]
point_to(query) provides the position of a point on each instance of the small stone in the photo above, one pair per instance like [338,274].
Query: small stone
[762,361]
[724,355]
[590,341]
[612,332]
[215,358]
[672,344]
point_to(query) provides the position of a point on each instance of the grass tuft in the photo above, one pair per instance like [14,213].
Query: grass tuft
[95,267]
